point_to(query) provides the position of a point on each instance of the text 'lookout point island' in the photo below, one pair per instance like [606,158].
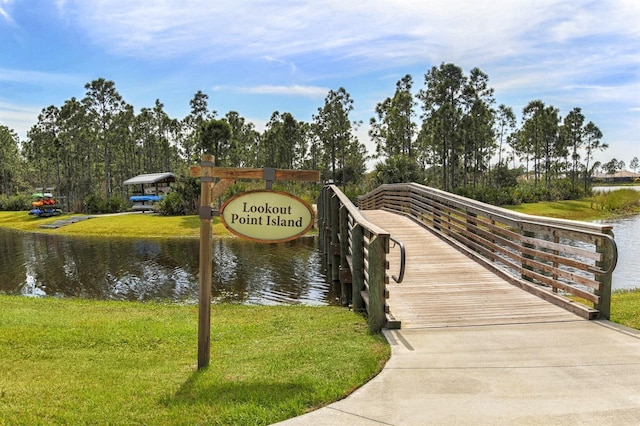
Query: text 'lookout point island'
[267,216]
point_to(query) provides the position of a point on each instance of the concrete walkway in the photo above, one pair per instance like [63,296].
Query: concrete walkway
[555,373]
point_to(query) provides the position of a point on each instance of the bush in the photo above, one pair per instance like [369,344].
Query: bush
[115,205]
[171,205]
[398,169]
[94,204]
[15,202]
[490,195]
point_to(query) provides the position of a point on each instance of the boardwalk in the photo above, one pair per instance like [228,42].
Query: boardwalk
[444,288]
[469,356]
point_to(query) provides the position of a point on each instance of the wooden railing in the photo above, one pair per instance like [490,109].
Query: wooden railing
[355,255]
[552,258]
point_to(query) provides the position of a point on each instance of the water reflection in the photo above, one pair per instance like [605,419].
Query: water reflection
[123,269]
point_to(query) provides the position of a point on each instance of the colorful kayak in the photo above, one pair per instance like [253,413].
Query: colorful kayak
[145,198]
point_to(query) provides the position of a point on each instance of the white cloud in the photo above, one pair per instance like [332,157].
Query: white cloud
[535,45]
[36,77]
[228,28]
[4,6]
[295,90]
[20,117]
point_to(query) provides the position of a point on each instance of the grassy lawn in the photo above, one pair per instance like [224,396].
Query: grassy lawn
[570,209]
[601,206]
[137,225]
[90,362]
[625,308]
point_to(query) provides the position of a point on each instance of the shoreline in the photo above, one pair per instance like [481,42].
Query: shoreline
[120,225]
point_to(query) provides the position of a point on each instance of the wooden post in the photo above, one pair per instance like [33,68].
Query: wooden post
[320,221]
[604,307]
[204,312]
[377,317]
[357,262]
[524,275]
[335,242]
[345,271]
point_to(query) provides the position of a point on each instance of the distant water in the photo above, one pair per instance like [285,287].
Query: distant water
[614,188]
[627,235]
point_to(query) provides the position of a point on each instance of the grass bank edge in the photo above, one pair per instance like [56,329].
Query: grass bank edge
[123,226]
[610,205]
[126,225]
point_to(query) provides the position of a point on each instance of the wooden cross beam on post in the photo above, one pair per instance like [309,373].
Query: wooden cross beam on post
[207,172]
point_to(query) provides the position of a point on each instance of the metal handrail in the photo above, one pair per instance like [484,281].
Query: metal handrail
[403,258]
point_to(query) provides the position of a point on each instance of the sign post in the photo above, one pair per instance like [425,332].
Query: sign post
[207,172]
[204,310]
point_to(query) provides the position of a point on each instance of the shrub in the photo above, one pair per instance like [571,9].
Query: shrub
[490,195]
[171,205]
[15,202]
[94,204]
[115,205]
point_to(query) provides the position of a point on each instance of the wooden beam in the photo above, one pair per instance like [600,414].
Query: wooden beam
[248,173]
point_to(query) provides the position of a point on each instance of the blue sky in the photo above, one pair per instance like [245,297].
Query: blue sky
[260,56]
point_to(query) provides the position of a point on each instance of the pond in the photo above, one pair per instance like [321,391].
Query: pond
[167,269]
[243,272]
[627,234]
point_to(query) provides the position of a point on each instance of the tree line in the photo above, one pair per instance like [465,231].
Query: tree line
[466,144]
[88,147]
[449,134]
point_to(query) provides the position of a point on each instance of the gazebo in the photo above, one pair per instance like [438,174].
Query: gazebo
[149,188]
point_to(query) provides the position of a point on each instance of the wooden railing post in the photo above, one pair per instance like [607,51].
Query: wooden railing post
[527,256]
[334,223]
[321,221]
[604,306]
[357,263]
[345,272]
[377,282]
[326,208]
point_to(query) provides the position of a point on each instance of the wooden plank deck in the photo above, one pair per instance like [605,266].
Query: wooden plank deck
[444,288]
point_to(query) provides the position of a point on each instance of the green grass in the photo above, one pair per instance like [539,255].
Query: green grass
[625,308]
[90,362]
[569,209]
[128,225]
[622,200]
[600,206]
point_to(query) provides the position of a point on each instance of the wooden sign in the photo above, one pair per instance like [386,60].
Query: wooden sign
[267,216]
[281,216]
